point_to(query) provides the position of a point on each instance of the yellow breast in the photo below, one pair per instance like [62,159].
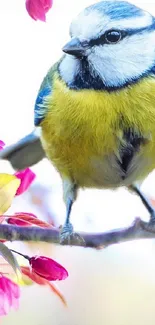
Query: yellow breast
[81,129]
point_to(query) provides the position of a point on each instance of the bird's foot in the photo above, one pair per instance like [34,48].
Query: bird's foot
[68,236]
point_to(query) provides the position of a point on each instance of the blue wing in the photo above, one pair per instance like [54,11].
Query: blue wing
[40,107]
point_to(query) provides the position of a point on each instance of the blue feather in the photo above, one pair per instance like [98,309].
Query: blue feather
[117,9]
[40,109]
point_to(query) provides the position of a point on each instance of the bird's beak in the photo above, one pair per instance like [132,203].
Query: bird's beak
[74,47]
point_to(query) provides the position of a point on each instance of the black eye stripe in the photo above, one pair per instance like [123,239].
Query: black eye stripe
[124,33]
[103,38]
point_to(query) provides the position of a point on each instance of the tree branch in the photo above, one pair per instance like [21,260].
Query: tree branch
[138,230]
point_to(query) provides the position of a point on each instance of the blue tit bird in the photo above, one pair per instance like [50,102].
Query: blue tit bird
[95,109]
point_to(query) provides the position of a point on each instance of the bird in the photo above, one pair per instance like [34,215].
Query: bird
[94,115]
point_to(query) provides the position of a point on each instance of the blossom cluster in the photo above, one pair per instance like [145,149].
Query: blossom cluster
[41,269]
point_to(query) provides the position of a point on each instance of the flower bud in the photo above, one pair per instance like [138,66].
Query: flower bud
[48,268]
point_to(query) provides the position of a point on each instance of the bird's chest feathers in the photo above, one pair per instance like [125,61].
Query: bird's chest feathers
[97,131]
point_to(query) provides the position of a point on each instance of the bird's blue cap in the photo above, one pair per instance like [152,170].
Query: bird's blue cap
[117,9]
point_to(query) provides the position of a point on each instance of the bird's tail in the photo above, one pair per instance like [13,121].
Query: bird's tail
[26,152]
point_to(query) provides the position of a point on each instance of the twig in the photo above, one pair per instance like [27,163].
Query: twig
[138,230]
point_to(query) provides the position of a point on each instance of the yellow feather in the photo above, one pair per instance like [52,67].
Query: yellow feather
[82,128]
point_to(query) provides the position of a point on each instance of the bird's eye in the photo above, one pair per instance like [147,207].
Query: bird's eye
[113,36]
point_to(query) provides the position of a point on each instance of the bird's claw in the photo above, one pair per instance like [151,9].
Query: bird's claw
[68,236]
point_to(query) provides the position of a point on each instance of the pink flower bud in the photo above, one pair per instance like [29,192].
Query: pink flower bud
[48,268]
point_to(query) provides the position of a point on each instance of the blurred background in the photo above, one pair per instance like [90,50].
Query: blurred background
[115,286]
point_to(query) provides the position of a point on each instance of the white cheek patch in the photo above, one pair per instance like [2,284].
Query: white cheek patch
[69,68]
[119,63]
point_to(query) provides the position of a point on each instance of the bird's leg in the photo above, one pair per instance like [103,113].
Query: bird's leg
[67,232]
[67,228]
[145,201]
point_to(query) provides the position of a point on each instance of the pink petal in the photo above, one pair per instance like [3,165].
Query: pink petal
[30,214]
[3,309]
[47,4]
[5,286]
[26,176]
[14,289]
[18,222]
[15,304]
[37,9]
[48,268]
[9,295]
[36,12]
[2,144]
[3,312]
[18,219]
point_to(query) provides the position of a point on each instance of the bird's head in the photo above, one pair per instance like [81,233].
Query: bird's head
[112,44]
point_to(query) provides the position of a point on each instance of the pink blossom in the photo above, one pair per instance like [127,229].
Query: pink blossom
[21,219]
[47,268]
[9,295]
[18,222]
[26,176]
[28,214]
[37,9]
[2,144]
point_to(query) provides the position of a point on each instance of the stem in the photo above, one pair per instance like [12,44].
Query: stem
[25,256]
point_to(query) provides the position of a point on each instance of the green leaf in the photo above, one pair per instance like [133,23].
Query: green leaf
[10,258]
